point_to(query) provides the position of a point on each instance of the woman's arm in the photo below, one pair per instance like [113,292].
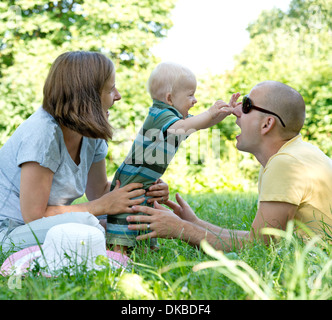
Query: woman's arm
[97,184]
[35,188]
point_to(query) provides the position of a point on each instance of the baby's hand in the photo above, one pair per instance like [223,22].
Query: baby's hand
[232,102]
[220,110]
[228,109]
[217,109]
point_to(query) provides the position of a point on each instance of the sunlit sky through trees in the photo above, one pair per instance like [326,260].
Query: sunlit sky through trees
[207,33]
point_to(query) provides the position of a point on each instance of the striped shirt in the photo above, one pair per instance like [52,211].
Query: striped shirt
[153,148]
[147,160]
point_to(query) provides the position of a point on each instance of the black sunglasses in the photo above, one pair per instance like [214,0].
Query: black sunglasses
[247,106]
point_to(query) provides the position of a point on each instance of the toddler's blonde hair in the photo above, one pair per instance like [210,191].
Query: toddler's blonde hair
[166,78]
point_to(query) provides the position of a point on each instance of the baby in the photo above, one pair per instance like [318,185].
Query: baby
[172,88]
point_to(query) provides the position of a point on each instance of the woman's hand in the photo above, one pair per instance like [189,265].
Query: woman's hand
[119,200]
[158,191]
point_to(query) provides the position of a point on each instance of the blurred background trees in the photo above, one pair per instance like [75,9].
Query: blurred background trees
[294,47]
[34,32]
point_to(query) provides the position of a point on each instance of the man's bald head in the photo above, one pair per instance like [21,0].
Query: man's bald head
[282,100]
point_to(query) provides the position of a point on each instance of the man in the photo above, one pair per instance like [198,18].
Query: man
[295,180]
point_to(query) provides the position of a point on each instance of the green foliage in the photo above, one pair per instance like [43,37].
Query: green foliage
[34,33]
[197,169]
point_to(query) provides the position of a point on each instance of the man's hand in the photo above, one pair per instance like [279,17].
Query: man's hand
[162,222]
[182,209]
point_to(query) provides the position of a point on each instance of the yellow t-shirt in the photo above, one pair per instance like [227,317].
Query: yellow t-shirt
[300,174]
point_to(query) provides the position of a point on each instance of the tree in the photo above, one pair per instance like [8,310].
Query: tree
[34,32]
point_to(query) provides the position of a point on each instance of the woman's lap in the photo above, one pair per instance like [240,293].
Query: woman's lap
[34,233]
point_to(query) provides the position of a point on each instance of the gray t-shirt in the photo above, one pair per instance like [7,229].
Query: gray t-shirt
[40,139]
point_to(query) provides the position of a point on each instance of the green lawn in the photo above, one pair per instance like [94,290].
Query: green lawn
[288,269]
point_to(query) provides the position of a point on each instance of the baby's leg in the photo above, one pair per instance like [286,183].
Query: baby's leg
[119,237]
[121,249]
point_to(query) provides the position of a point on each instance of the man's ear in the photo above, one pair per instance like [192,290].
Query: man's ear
[268,124]
[169,98]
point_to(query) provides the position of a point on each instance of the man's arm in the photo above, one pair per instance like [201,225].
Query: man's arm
[272,214]
[184,211]
[166,224]
[220,239]
[183,224]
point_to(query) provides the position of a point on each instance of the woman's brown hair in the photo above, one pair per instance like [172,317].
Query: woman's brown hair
[72,92]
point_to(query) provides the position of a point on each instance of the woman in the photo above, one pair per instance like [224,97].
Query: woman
[58,154]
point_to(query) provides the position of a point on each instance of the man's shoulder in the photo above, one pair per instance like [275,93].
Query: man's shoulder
[283,159]
[283,167]
[292,152]
[299,153]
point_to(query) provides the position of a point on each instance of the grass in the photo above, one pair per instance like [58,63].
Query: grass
[288,269]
